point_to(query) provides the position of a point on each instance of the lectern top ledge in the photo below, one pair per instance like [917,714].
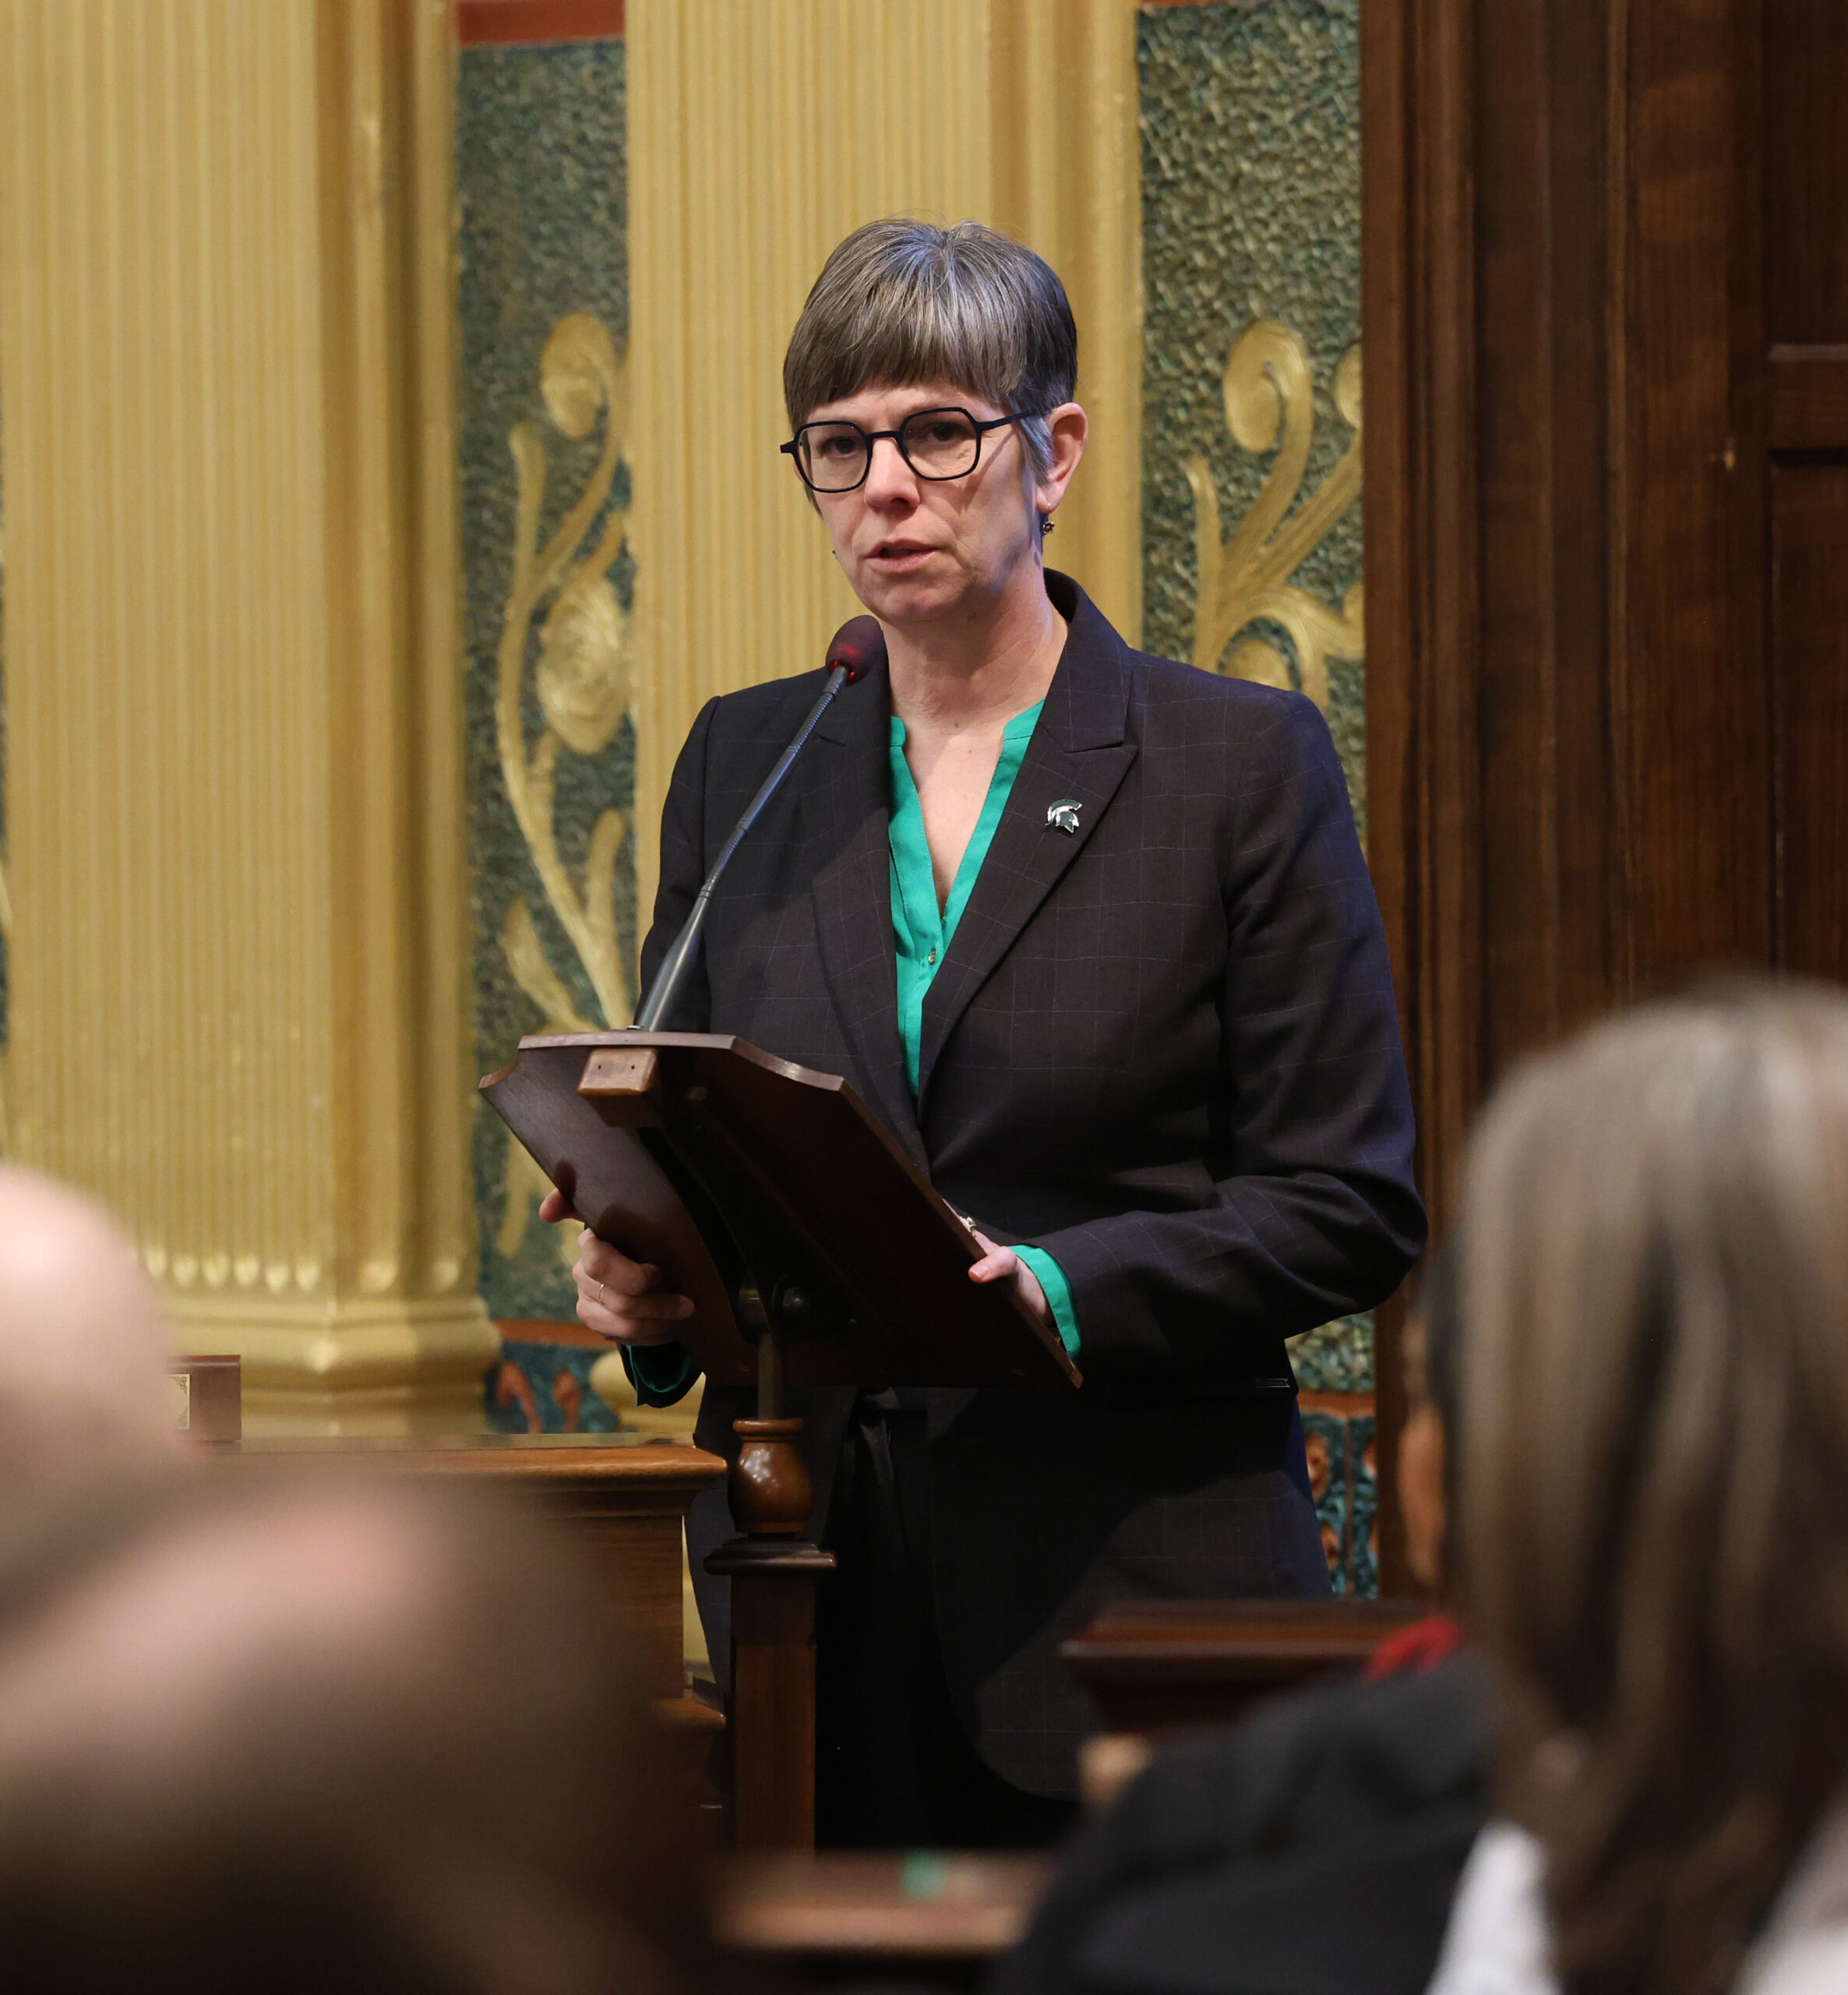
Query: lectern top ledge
[814,1251]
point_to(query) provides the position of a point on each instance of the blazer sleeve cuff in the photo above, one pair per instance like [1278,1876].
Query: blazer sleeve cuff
[1058,1294]
[661,1373]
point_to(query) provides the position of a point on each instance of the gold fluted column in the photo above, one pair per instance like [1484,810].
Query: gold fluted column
[1067,179]
[759,132]
[238,952]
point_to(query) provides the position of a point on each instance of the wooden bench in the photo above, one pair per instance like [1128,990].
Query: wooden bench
[1156,1667]
[930,1918]
[1162,1665]
[624,1497]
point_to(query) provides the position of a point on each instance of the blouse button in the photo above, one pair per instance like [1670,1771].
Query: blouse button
[931,958]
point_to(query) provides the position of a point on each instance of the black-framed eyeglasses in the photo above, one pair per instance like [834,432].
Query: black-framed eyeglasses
[938,443]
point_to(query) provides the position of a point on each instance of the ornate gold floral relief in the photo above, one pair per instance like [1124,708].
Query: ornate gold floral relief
[580,680]
[1270,405]
[582,674]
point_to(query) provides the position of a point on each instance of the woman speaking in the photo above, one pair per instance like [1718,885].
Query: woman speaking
[1092,933]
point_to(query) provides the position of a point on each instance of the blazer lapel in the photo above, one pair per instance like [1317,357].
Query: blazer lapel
[1079,754]
[847,820]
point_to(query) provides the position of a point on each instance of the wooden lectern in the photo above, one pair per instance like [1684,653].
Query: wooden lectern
[815,1253]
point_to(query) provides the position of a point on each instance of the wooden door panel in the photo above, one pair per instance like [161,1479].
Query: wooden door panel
[1605,295]
[1806,171]
[1809,642]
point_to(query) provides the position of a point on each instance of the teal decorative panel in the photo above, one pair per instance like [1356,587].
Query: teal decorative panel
[1250,128]
[1325,1442]
[1363,1549]
[1346,1489]
[545,1389]
[545,319]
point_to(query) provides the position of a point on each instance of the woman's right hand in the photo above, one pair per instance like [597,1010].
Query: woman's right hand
[617,1297]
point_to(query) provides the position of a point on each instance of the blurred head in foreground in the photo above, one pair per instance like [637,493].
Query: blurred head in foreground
[83,1352]
[1656,1489]
[284,1734]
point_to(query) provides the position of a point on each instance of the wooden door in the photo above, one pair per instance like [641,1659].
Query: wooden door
[1800,353]
[1605,308]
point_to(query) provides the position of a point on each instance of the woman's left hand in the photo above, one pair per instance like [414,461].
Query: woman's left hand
[1003,1264]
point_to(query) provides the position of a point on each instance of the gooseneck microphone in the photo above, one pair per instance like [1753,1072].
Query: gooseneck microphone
[858,646]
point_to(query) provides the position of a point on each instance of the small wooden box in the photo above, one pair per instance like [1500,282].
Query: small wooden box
[208,1397]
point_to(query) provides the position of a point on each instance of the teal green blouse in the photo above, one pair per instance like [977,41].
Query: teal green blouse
[923,933]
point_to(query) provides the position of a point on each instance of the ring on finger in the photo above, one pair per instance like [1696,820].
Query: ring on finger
[605,1293]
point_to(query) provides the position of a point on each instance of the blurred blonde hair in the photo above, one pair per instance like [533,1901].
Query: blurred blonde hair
[1656,1485]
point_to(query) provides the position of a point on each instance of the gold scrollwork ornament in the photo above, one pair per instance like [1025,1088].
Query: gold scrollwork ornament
[582,672]
[582,675]
[1270,405]
[581,683]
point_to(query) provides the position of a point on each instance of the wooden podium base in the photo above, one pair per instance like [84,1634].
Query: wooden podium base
[773,1570]
[808,1223]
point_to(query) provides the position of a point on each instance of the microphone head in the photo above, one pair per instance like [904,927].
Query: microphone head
[859,644]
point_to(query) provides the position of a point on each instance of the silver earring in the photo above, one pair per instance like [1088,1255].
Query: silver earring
[1046,524]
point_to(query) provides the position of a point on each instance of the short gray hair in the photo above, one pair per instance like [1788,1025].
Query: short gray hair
[901,300]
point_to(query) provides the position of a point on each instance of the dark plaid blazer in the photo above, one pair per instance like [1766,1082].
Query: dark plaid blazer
[1164,1048]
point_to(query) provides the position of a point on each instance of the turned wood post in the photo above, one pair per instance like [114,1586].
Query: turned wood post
[773,1568]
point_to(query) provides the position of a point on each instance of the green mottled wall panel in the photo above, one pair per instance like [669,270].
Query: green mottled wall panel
[1251,126]
[543,203]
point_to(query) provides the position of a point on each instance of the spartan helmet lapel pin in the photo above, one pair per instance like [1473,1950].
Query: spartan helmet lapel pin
[1064,813]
